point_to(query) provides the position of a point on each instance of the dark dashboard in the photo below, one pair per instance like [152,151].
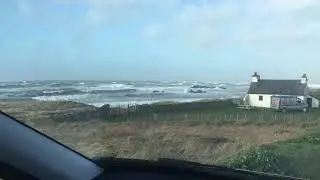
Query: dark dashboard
[130,169]
[167,169]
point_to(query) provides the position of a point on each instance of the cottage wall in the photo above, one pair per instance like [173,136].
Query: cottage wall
[254,100]
[263,86]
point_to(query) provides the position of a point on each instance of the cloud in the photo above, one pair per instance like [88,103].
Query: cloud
[211,22]
[153,31]
[24,7]
[227,21]
[102,11]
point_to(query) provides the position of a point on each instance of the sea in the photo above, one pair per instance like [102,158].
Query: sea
[117,93]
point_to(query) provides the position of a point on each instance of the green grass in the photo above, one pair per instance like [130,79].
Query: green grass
[229,114]
[299,158]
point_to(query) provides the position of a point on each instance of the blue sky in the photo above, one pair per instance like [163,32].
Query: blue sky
[214,40]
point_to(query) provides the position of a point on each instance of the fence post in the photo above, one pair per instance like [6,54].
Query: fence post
[237,117]
[293,116]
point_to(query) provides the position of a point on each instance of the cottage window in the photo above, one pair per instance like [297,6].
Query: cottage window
[299,101]
[260,98]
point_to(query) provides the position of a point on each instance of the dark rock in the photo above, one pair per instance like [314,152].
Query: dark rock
[202,86]
[197,91]
[157,91]
[105,107]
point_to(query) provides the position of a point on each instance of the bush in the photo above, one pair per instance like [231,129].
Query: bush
[258,159]
[298,157]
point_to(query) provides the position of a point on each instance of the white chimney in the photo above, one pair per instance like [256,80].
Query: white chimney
[255,77]
[304,79]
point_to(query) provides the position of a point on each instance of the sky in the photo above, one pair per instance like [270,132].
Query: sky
[214,40]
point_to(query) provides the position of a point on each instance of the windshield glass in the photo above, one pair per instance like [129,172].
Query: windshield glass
[214,82]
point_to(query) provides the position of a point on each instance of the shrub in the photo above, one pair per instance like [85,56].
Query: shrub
[258,159]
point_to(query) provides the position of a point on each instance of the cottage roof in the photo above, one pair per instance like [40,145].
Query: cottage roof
[278,87]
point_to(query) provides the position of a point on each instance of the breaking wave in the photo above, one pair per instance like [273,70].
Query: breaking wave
[122,92]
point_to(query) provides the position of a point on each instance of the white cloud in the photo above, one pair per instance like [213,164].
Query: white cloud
[212,22]
[290,6]
[24,7]
[153,31]
[101,11]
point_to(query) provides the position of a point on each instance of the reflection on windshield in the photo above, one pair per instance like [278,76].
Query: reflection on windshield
[169,79]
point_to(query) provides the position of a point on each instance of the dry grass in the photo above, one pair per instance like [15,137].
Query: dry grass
[189,140]
[31,111]
[152,140]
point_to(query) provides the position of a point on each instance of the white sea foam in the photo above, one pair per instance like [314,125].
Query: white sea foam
[168,89]
[76,97]
[102,87]
[124,104]
[52,91]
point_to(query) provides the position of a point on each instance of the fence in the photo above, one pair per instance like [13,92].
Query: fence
[246,116]
[213,111]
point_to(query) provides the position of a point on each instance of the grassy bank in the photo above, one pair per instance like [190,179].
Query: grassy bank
[297,157]
[207,132]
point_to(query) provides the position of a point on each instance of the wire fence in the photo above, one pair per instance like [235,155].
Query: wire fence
[222,111]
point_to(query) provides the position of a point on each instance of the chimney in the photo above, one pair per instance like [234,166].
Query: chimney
[255,78]
[304,79]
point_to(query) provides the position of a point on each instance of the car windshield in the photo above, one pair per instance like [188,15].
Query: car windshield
[221,82]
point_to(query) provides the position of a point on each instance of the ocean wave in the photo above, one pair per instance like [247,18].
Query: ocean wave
[111,91]
[102,92]
[75,97]
[166,89]
[61,84]
[156,94]
[141,102]
[105,87]
[18,85]
[50,92]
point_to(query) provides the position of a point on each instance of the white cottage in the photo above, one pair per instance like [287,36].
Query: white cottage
[261,90]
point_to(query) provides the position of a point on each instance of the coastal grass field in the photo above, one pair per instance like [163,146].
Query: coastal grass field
[262,140]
